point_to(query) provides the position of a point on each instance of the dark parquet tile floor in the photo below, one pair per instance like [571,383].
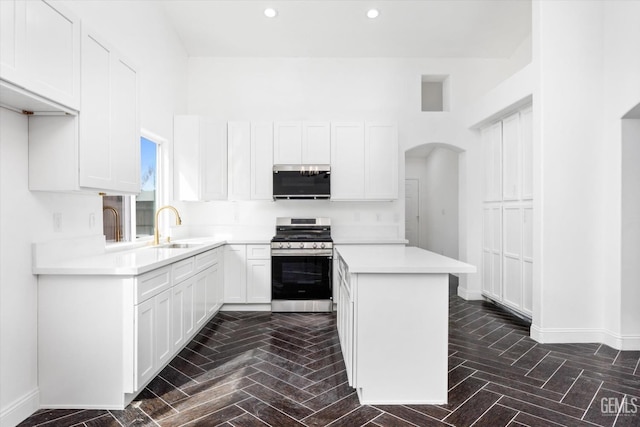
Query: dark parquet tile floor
[263,369]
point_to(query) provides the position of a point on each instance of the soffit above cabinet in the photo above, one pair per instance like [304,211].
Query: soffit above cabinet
[20,100]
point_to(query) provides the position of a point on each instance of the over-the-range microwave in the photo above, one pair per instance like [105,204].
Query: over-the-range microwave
[301,182]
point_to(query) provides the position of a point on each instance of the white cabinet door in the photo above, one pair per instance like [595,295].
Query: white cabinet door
[125,129]
[9,37]
[492,251]
[527,259]
[512,256]
[200,298]
[199,159]
[287,143]
[144,338]
[213,160]
[259,281]
[235,274]
[316,143]
[178,317]
[40,50]
[492,153]
[239,143]
[164,346]
[511,157]
[189,308]
[381,161]
[213,288]
[526,132]
[262,161]
[109,141]
[347,161]
[95,130]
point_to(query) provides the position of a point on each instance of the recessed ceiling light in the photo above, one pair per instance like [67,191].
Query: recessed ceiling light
[270,12]
[373,13]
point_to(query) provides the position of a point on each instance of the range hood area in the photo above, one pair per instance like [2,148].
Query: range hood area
[301,182]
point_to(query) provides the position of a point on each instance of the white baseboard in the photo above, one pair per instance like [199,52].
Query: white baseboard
[246,307]
[468,295]
[20,410]
[577,335]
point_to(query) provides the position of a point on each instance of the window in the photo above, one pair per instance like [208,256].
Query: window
[122,214]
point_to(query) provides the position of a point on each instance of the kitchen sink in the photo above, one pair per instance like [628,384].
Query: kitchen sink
[181,245]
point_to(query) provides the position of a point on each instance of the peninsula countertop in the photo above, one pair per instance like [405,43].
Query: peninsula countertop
[399,259]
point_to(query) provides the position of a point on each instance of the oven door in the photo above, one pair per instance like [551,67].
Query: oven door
[301,277]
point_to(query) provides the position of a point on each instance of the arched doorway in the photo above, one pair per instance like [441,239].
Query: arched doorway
[432,198]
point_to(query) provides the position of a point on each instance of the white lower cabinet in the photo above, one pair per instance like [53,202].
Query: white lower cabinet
[106,337]
[247,274]
[345,318]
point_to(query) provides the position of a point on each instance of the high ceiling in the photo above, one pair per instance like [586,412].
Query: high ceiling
[340,28]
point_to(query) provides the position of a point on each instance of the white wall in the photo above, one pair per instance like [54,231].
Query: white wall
[140,31]
[621,94]
[585,83]
[438,192]
[567,52]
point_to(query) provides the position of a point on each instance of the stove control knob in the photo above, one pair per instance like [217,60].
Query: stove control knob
[322,245]
[315,245]
[301,245]
[288,245]
[281,245]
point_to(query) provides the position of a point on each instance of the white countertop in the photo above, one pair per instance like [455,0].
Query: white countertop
[399,259]
[130,262]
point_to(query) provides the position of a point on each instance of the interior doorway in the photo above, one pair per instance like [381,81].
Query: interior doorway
[432,170]
[412,211]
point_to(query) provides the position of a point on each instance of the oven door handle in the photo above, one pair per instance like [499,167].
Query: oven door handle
[301,252]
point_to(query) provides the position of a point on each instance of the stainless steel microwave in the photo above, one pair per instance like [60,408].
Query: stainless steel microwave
[301,182]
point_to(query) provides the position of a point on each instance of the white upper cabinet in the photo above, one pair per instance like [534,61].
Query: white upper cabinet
[40,50]
[199,159]
[381,161]
[526,132]
[511,157]
[347,161]
[316,143]
[287,143]
[109,121]
[98,150]
[261,161]
[239,143]
[364,161]
[250,160]
[492,152]
[297,143]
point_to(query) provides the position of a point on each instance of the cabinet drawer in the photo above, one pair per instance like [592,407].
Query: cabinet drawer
[183,269]
[152,283]
[206,259]
[258,251]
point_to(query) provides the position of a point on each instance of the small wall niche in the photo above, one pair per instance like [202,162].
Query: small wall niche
[435,93]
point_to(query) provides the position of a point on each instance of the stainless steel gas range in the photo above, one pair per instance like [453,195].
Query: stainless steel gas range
[301,265]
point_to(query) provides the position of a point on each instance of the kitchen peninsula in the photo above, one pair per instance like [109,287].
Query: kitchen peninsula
[393,322]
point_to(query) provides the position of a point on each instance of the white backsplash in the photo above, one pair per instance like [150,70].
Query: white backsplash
[244,220]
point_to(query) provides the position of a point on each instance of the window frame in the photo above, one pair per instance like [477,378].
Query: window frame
[162,160]
[128,214]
